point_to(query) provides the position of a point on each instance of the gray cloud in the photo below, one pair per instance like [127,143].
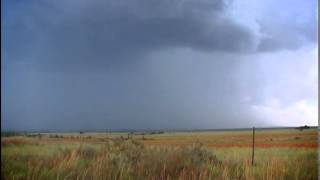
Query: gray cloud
[288,28]
[159,92]
[72,34]
[134,64]
[290,38]
[106,31]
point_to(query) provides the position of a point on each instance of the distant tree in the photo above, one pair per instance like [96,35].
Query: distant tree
[301,128]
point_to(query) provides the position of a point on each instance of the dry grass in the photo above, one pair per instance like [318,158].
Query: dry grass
[166,156]
[264,139]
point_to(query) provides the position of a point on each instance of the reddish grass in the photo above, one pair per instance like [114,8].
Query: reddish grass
[295,139]
[267,145]
[16,141]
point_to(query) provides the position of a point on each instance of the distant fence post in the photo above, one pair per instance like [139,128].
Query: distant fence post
[253,133]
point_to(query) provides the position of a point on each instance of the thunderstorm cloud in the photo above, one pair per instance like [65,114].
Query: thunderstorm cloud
[150,64]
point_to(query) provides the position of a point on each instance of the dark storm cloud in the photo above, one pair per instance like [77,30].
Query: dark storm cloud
[111,31]
[161,92]
[76,33]
[81,64]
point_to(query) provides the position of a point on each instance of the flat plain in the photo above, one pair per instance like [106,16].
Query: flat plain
[279,154]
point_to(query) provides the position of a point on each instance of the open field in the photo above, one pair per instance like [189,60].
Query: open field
[279,154]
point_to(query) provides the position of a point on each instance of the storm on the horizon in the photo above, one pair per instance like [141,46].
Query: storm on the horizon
[158,64]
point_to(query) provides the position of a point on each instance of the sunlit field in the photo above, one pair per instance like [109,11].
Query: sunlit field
[279,154]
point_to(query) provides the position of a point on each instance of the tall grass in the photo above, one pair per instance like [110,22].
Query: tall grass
[120,159]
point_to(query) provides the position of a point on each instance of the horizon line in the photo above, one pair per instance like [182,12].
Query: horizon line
[153,129]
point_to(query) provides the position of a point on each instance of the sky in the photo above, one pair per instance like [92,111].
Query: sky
[150,64]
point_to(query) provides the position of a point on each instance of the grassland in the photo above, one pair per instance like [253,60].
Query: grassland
[280,154]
